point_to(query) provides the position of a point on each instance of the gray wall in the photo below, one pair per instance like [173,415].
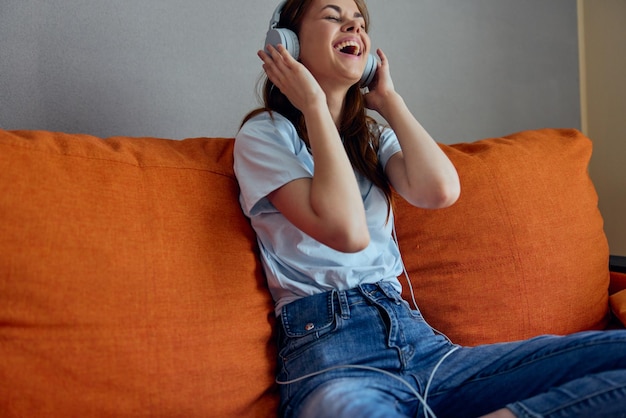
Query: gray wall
[467,68]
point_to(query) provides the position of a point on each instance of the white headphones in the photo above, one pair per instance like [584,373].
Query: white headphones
[290,41]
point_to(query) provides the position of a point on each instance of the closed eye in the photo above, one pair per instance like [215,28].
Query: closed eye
[340,20]
[335,8]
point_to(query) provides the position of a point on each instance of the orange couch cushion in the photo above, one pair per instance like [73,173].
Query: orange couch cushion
[129,284]
[523,251]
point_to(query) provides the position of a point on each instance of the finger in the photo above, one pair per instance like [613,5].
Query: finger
[285,56]
[271,58]
[274,51]
[284,66]
[273,73]
[264,56]
[284,52]
[382,56]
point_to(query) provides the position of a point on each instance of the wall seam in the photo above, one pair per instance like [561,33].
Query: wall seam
[582,63]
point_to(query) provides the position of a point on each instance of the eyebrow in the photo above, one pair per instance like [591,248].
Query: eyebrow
[338,10]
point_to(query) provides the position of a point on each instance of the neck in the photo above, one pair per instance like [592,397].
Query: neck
[335,102]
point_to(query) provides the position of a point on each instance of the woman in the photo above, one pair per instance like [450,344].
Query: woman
[316,176]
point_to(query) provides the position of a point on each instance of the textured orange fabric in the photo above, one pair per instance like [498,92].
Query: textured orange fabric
[523,251]
[129,282]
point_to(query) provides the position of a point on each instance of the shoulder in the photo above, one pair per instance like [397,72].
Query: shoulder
[266,122]
[269,130]
[268,154]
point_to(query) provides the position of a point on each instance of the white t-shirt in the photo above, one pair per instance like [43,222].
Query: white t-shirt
[268,154]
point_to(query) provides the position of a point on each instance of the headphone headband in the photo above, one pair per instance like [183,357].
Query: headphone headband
[276,16]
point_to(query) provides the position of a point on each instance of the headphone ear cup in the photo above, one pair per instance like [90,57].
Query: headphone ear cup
[370,71]
[285,37]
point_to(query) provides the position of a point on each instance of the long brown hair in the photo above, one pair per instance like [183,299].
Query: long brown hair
[360,132]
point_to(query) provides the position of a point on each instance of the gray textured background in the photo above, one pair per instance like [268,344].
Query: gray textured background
[467,68]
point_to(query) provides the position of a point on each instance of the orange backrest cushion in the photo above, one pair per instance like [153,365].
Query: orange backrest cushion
[129,282]
[522,252]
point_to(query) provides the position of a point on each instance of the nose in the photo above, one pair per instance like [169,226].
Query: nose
[352,26]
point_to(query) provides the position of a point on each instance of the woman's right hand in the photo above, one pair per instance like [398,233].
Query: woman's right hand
[292,78]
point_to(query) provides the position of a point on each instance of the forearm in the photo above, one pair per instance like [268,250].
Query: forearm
[426,177]
[334,196]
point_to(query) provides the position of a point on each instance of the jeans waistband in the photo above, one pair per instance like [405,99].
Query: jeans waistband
[317,311]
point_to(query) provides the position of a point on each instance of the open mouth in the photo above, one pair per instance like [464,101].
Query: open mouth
[349,47]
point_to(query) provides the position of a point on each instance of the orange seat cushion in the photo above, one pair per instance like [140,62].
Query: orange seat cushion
[129,282]
[523,251]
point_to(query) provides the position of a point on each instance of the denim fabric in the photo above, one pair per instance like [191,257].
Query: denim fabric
[366,353]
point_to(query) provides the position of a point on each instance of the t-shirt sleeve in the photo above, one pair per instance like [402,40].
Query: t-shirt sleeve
[389,145]
[268,154]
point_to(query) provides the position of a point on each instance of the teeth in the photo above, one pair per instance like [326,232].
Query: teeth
[356,49]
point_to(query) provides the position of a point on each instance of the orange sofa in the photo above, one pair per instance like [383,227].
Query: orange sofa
[130,284]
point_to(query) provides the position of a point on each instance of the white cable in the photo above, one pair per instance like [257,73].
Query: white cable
[406,273]
[408,279]
[427,411]
[411,290]
[432,375]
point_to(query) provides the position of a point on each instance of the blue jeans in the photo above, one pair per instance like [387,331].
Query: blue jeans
[366,353]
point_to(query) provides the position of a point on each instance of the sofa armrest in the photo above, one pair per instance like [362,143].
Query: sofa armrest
[617,289]
[617,265]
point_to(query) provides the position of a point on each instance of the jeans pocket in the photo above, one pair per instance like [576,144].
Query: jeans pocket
[305,321]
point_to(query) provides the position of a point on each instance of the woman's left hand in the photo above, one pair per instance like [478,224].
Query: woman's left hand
[381,87]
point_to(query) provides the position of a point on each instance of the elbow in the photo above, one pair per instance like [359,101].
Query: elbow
[349,241]
[353,247]
[438,196]
[356,245]
[446,196]
[445,192]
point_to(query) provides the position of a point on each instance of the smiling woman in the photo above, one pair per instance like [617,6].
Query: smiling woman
[316,175]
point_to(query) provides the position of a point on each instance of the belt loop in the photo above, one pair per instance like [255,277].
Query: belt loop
[342,298]
[389,291]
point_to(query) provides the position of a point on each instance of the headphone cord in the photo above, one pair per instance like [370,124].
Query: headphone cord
[428,412]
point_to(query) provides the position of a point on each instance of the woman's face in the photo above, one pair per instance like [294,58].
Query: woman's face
[333,42]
